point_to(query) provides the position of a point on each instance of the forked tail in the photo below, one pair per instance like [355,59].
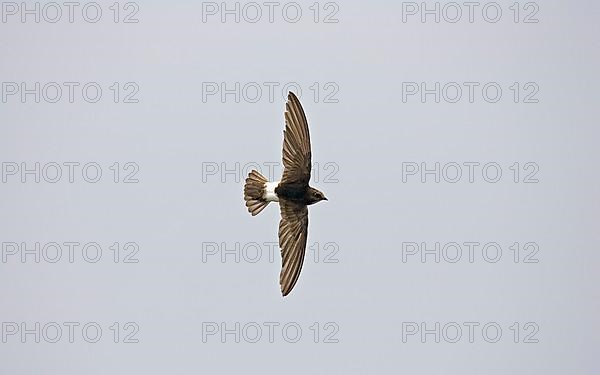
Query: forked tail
[254,191]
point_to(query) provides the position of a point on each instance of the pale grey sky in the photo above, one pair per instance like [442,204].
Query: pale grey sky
[365,285]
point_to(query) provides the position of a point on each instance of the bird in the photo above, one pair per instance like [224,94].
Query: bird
[292,192]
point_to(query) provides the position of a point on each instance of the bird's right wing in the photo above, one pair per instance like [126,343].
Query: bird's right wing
[293,232]
[296,144]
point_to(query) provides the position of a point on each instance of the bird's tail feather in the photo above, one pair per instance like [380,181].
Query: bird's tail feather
[254,190]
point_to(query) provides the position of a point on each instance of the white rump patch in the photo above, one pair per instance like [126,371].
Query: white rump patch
[270,195]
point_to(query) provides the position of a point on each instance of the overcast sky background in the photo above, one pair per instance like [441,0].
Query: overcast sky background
[359,141]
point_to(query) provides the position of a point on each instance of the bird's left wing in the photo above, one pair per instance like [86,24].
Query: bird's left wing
[293,231]
[296,144]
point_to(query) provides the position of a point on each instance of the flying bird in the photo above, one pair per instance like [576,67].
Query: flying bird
[293,194]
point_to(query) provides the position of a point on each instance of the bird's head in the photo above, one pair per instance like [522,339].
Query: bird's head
[315,196]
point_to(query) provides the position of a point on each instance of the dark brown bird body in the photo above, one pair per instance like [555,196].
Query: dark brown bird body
[293,194]
[299,194]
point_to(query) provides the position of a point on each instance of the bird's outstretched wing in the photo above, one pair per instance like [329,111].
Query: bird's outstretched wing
[296,144]
[293,231]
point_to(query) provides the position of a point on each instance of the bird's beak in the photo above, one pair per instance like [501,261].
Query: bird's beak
[325,198]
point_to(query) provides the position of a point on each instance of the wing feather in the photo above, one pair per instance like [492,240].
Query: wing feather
[293,232]
[296,144]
